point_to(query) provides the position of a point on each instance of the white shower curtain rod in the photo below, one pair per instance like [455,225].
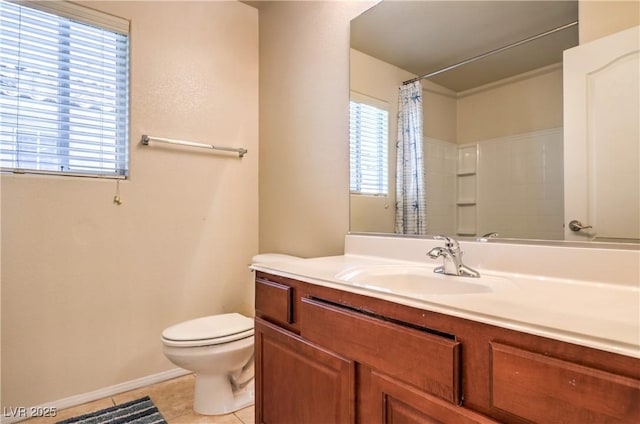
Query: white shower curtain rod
[498,50]
[146,138]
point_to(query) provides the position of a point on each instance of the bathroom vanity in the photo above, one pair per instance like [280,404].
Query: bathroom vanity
[334,352]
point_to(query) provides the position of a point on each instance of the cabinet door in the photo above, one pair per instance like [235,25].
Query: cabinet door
[299,382]
[389,401]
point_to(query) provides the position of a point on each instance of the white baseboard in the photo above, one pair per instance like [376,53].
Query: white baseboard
[8,417]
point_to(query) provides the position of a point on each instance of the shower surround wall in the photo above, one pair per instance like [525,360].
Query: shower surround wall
[87,285]
[517,190]
[440,158]
[517,125]
[520,189]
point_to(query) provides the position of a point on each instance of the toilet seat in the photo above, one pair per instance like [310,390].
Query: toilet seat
[207,331]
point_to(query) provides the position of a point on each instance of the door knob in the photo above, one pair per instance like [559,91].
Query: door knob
[576,225]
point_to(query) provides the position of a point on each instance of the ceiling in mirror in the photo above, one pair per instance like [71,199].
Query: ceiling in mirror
[421,48]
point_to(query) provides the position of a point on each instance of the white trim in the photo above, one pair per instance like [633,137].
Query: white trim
[510,80]
[433,88]
[516,137]
[358,97]
[102,393]
[20,171]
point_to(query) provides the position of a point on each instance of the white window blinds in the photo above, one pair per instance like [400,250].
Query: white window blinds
[369,146]
[64,90]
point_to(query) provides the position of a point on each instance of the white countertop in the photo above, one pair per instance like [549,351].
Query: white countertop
[587,313]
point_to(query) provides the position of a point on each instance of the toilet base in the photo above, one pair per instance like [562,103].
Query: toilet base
[214,395]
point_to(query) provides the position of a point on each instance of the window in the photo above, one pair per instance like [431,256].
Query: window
[369,146]
[64,90]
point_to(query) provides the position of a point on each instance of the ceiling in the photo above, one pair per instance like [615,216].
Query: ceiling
[425,36]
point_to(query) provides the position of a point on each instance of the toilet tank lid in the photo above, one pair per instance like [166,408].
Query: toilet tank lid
[211,327]
[264,258]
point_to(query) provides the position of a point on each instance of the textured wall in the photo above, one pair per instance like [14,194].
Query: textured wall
[88,286]
[304,126]
[604,17]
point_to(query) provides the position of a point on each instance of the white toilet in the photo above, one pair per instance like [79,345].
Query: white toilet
[219,350]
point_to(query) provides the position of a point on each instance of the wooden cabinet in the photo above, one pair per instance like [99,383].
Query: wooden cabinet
[389,400]
[541,388]
[329,356]
[275,300]
[429,362]
[299,382]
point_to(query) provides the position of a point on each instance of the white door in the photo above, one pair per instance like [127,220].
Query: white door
[602,137]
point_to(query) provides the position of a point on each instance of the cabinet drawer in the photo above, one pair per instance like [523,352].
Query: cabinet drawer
[543,389]
[274,301]
[426,361]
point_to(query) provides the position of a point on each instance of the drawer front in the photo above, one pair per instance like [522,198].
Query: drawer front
[543,389]
[274,301]
[429,362]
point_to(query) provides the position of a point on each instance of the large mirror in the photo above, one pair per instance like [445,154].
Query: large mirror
[492,128]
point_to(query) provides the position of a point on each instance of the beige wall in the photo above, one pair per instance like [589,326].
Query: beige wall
[88,286]
[379,80]
[303,119]
[522,104]
[604,17]
[440,112]
[304,109]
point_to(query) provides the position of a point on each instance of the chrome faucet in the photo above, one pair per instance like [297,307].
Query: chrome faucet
[488,236]
[452,256]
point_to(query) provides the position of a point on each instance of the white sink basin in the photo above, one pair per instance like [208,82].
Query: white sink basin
[417,281]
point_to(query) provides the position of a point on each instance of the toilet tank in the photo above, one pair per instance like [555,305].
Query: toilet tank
[264,258]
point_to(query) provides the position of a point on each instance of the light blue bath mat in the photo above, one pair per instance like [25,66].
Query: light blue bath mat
[141,411]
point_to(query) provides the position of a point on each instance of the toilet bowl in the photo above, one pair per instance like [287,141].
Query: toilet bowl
[219,350]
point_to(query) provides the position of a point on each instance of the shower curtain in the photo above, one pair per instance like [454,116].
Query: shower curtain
[411,204]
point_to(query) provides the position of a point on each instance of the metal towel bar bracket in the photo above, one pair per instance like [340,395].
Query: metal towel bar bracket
[145,139]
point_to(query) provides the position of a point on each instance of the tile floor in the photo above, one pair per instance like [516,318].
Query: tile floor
[174,399]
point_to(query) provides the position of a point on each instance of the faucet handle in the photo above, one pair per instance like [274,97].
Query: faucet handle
[448,241]
[488,236]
